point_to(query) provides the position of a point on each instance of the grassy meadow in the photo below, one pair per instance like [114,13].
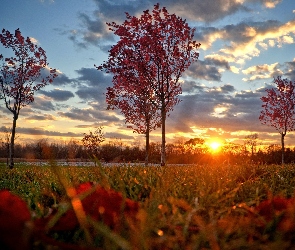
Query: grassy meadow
[180,207]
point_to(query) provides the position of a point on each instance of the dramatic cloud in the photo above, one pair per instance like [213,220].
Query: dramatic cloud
[244,45]
[290,70]
[95,31]
[189,87]
[58,94]
[113,135]
[38,131]
[244,40]
[93,84]
[270,3]
[210,69]
[263,71]
[3,109]
[94,77]
[91,114]
[42,103]
[201,70]
[217,107]
[41,117]
[62,80]
[208,11]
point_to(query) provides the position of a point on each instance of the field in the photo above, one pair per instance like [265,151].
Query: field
[180,207]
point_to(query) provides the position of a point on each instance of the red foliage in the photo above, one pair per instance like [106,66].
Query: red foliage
[278,106]
[14,218]
[103,205]
[269,208]
[17,228]
[280,209]
[111,207]
[147,62]
[21,75]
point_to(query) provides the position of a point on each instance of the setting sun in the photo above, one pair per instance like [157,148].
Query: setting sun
[215,146]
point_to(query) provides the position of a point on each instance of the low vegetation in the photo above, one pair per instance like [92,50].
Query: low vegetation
[192,151]
[179,207]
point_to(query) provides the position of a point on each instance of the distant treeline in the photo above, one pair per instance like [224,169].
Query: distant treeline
[177,153]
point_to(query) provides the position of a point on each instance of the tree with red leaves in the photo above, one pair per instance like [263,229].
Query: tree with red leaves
[152,53]
[278,108]
[136,105]
[21,76]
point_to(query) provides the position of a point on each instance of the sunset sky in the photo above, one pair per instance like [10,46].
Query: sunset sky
[245,44]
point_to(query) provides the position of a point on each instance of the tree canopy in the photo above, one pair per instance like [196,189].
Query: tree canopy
[147,62]
[22,75]
[278,108]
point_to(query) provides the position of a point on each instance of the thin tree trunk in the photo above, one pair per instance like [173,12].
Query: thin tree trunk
[7,152]
[11,149]
[147,144]
[163,146]
[283,147]
[147,148]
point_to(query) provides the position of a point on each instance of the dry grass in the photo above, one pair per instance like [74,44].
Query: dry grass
[181,207]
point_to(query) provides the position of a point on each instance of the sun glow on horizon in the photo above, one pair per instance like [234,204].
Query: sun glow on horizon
[214,146]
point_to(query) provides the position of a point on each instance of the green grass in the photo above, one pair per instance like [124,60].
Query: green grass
[174,200]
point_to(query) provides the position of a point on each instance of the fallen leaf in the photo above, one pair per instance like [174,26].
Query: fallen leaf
[15,226]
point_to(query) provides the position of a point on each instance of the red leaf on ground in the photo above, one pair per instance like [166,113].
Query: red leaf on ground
[269,208]
[278,207]
[103,205]
[14,217]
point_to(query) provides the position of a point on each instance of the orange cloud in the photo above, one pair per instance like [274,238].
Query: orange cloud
[262,71]
[245,50]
